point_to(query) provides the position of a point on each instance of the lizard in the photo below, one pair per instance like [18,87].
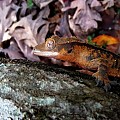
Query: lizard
[101,62]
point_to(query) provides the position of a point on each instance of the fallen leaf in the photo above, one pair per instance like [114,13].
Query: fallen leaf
[7,17]
[111,43]
[85,16]
[79,4]
[108,3]
[42,3]
[63,28]
[87,19]
[23,8]
[105,39]
[28,32]
[94,3]
[13,51]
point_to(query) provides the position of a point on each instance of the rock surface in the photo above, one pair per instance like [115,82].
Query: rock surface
[36,91]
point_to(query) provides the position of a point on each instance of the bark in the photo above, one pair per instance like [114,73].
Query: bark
[36,91]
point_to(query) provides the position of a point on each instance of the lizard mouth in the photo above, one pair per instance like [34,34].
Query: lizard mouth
[45,53]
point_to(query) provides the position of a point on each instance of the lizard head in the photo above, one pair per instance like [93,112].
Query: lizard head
[55,46]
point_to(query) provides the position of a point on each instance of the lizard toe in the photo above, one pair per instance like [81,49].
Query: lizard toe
[107,87]
[99,82]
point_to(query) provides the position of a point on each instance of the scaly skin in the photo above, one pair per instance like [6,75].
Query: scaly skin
[85,56]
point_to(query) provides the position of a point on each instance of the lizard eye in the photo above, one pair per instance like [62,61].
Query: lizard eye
[50,44]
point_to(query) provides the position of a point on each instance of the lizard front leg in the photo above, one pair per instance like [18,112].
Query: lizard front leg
[102,71]
[102,76]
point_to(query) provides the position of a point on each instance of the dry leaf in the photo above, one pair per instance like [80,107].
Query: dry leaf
[112,43]
[7,17]
[23,7]
[85,16]
[79,4]
[42,3]
[13,51]
[108,3]
[4,3]
[63,29]
[87,19]
[28,32]
[105,39]
[94,3]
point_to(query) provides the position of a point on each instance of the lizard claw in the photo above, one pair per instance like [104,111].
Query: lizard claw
[103,81]
[99,82]
[107,87]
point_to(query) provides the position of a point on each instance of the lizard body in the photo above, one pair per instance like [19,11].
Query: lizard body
[85,56]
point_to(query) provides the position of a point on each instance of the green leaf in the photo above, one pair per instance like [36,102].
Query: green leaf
[90,37]
[30,3]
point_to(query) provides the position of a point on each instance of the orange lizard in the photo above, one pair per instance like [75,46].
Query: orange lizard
[88,57]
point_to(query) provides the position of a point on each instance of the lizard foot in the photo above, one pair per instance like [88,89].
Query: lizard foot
[99,82]
[108,86]
[102,80]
